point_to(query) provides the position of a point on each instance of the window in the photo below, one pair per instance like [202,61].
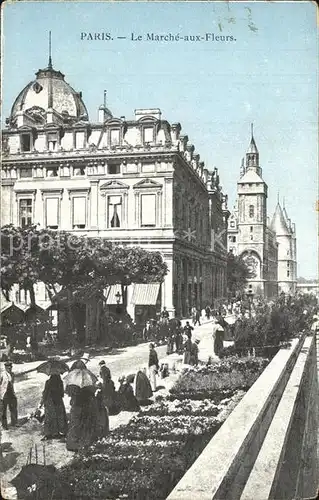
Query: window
[114,168]
[232,239]
[232,224]
[25,142]
[288,264]
[251,229]
[79,140]
[114,210]
[79,212]
[288,273]
[148,210]
[25,173]
[25,212]
[52,141]
[52,172]
[52,213]
[251,211]
[115,137]
[78,171]
[148,134]
[251,237]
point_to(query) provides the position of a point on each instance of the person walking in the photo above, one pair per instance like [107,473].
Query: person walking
[55,421]
[218,335]
[153,366]
[126,398]
[7,395]
[107,387]
[197,317]
[207,311]
[188,330]
[178,340]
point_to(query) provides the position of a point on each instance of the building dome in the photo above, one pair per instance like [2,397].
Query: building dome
[49,91]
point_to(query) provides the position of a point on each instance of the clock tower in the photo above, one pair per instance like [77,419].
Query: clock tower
[252,219]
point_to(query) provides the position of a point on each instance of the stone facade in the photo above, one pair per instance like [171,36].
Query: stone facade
[269,249]
[138,182]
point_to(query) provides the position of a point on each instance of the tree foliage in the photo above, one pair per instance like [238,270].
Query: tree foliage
[237,274]
[75,269]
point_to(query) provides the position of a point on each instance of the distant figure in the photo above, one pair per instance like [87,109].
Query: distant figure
[7,395]
[153,366]
[178,340]
[127,400]
[108,388]
[187,350]
[188,329]
[193,314]
[55,422]
[194,353]
[197,317]
[218,335]
[147,331]
[164,315]
[207,311]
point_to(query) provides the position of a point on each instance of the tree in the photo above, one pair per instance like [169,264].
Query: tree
[76,270]
[237,274]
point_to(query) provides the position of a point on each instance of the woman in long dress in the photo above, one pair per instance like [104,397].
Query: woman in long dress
[87,419]
[55,421]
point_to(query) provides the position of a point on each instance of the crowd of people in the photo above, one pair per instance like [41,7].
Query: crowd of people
[94,397]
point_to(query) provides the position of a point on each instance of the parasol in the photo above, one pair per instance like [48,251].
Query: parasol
[53,367]
[80,378]
[142,387]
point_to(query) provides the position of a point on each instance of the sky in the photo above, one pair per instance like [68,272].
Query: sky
[267,75]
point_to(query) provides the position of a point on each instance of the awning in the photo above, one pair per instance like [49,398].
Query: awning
[110,294]
[145,294]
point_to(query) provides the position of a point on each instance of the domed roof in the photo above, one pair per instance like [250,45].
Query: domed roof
[50,91]
[278,223]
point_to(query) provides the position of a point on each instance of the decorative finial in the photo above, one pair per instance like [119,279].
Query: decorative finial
[50,56]
[278,197]
[283,202]
[252,129]
[105,98]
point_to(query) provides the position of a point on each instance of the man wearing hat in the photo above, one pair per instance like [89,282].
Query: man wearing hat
[105,372]
[7,395]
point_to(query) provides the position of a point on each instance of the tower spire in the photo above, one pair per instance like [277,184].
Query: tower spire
[104,101]
[252,130]
[50,54]
[278,197]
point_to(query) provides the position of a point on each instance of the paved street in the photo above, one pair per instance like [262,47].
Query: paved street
[17,442]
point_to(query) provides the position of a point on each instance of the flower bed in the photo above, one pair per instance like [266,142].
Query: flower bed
[229,374]
[145,459]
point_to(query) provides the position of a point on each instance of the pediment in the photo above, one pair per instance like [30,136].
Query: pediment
[114,185]
[113,121]
[147,183]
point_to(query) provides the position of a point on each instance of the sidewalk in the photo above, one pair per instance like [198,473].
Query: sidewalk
[21,369]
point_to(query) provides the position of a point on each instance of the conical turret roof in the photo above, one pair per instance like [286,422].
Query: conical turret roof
[279,223]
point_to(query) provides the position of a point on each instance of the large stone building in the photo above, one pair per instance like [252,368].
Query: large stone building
[135,181]
[268,249]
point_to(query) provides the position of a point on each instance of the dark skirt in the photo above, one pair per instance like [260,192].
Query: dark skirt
[55,421]
[88,422]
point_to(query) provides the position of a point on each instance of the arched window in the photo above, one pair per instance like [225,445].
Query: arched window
[251,211]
